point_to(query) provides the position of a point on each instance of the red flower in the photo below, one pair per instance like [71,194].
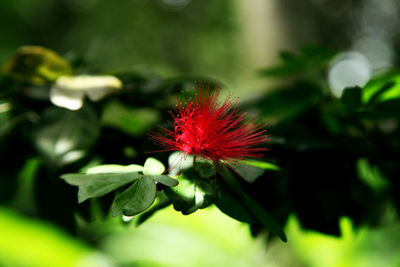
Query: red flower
[218,132]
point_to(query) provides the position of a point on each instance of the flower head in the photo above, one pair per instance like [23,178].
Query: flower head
[205,127]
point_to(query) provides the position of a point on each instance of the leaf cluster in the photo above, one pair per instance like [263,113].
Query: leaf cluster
[337,156]
[97,147]
[327,157]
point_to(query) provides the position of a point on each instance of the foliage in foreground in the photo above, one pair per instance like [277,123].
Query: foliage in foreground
[327,157]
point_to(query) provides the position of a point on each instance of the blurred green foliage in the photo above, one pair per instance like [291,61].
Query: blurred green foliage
[36,65]
[321,148]
[39,244]
[329,158]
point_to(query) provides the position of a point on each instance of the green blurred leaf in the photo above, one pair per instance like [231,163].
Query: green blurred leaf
[289,102]
[186,197]
[164,179]
[230,179]
[97,185]
[231,205]
[133,121]
[384,110]
[6,124]
[179,161]
[114,168]
[35,64]
[182,197]
[43,244]
[260,164]
[351,98]
[65,136]
[203,168]
[371,175]
[382,88]
[259,212]
[137,198]
[24,198]
[310,58]
[248,173]
[153,166]
[252,206]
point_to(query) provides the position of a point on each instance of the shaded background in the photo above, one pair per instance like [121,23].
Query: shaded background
[225,40]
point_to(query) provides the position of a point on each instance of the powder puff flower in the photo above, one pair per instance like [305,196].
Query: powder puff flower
[203,126]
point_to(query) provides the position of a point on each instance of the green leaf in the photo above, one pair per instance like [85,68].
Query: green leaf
[133,121]
[181,197]
[232,206]
[351,98]
[371,175]
[248,173]
[252,206]
[164,179]
[205,170]
[260,164]
[97,185]
[186,197]
[266,219]
[64,136]
[137,198]
[35,64]
[312,58]
[382,88]
[289,102]
[7,121]
[153,166]
[114,168]
[230,179]
[201,200]
[24,197]
[179,161]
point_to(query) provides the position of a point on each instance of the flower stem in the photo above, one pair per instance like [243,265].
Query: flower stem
[194,163]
